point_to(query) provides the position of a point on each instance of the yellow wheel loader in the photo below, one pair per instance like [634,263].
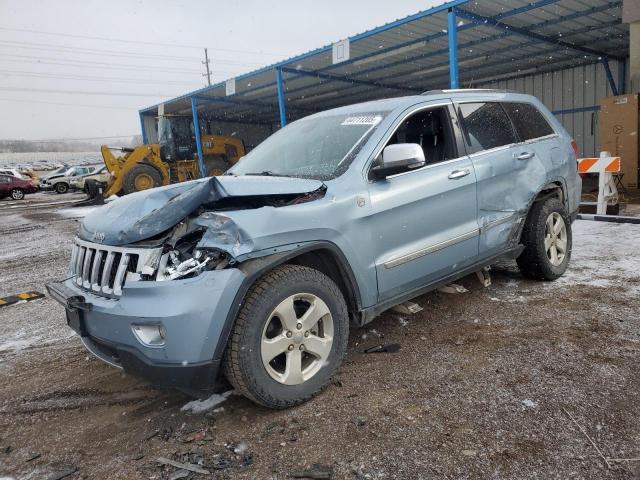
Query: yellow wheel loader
[172,160]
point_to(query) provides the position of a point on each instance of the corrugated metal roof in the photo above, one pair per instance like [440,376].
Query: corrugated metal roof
[496,39]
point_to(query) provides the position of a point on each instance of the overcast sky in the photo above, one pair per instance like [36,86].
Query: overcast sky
[44,77]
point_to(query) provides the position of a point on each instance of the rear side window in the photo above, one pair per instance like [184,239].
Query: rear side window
[529,122]
[486,126]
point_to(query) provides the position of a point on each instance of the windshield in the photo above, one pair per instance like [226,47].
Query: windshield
[320,148]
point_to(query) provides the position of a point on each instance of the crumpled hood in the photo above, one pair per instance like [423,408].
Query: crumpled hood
[142,215]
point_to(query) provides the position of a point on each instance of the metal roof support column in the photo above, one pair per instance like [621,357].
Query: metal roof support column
[453,47]
[144,130]
[622,76]
[196,129]
[607,70]
[281,104]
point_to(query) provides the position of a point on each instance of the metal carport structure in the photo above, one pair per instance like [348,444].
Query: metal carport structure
[461,43]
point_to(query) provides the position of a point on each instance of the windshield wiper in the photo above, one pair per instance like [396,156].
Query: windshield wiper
[266,173]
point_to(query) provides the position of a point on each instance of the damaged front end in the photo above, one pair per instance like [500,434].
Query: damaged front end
[188,229]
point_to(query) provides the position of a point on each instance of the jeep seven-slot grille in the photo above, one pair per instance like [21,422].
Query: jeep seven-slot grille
[103,269]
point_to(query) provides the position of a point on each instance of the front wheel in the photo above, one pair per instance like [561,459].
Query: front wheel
[61,188]
[17,194]
[289,337]
[547,240]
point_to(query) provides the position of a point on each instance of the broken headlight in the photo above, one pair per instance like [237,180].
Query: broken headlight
[185,260]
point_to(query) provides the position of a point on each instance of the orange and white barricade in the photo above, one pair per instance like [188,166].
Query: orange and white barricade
[605,166]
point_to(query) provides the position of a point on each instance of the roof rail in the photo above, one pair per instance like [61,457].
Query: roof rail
[469,90]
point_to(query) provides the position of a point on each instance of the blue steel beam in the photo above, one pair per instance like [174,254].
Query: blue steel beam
[281,100]
[524,32]
[336,78]
[196,129]
[607,71]
[452,32]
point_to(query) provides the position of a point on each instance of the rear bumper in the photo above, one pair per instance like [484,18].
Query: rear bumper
[192,314]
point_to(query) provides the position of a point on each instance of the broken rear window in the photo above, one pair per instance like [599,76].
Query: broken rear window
[318,147]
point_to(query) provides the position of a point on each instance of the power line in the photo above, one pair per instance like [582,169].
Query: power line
[141,42]
[87,78]
[77,92]
[110,53]
[90,64]
[87,51]
[26,100]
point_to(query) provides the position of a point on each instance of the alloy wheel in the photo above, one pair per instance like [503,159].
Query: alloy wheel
[555,239]
[297,339]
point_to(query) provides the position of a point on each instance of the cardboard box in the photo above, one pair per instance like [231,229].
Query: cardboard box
[619,121]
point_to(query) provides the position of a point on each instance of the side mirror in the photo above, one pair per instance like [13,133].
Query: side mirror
[399,158]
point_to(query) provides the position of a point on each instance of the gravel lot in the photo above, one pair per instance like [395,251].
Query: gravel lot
[492,383]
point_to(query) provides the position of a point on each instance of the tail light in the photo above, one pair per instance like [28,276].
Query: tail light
[574,145]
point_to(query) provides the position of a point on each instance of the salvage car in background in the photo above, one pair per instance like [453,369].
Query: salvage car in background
[333,219]
[15,187]
[100,175]
[60,182]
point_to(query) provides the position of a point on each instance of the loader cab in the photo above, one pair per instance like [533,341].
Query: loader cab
[176,138]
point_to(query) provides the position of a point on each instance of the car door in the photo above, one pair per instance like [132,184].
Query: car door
[4,186]
[491,141]
[423,223]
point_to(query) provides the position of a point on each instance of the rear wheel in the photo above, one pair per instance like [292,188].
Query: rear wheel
[216,166]
[547,240]
[289,337]
[61,187]
[17,194]
[141,177]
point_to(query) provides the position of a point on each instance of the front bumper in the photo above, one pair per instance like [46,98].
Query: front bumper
[193,312]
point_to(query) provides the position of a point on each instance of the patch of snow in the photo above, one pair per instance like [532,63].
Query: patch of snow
[604,255]
[199,406]
[77,212]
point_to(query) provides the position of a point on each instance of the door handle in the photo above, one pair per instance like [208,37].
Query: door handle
[525,156]
[458,174]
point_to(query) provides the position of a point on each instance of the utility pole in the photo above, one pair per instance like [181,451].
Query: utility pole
[206,63]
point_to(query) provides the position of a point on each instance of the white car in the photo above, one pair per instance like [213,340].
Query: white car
[14,173]
[60,182]
[100,175]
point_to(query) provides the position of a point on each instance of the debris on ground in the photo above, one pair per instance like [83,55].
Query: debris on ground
[359,421]
[452,288]
[183,466]
[529,403]
[199,406]
[407,308]
[315,472]
[388,348]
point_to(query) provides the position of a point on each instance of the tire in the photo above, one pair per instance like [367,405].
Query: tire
[61,187]
[216,166]
[538,261]
[141,177]
[277,384]
[17,194]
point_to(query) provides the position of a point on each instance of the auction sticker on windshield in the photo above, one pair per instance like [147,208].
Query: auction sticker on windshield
[362,120]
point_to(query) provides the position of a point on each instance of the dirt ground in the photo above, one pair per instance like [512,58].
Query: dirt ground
[493,383]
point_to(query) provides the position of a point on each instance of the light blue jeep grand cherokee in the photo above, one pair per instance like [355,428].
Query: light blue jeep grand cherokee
[332,220]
